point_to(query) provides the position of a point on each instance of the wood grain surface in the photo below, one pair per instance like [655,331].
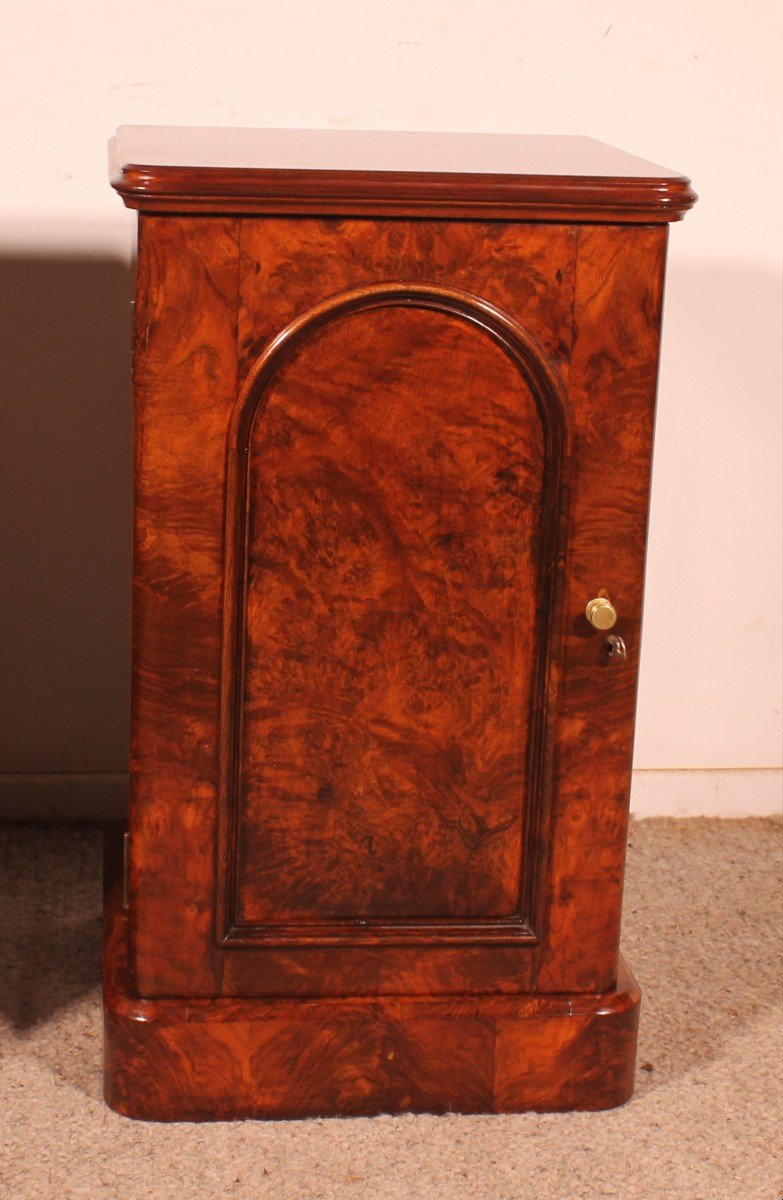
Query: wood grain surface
[612,385]
[213,296]
[185,334]
[388,446]
[394,405]
[356,173]
[396,567]
[390,626]
[219,1059]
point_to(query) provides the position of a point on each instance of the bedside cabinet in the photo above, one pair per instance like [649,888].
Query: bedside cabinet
[394,400]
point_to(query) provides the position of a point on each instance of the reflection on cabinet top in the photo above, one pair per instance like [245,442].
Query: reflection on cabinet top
[355,173]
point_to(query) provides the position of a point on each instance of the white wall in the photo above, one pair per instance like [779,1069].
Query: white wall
[692,86]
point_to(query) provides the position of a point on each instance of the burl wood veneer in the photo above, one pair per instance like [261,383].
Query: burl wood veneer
[394,416]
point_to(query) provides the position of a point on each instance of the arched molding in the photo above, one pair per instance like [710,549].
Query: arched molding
[551,401]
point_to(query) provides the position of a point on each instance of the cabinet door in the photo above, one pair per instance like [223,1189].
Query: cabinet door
[394,518]
[353,519]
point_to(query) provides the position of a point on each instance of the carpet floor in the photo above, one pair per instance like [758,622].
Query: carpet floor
[702,933]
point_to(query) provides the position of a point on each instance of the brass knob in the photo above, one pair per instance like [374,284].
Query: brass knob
[601,613]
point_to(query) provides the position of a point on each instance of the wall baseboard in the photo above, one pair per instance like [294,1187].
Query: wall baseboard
[720,792]
[704,793]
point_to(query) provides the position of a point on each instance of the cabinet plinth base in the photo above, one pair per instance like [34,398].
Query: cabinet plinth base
[230,1058]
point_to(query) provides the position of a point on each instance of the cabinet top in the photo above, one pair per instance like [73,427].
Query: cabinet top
[358,173]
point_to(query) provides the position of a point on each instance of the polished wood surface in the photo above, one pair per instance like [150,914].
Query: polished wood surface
[351,172]
[379,752]
[240,149]
[223,1058]
[392,552]
[551,282]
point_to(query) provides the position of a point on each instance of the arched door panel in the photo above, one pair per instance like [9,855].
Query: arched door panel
[395,496]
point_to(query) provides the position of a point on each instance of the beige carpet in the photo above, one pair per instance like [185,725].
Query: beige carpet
[702,932]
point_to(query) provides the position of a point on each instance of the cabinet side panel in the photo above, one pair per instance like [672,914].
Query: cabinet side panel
[185,380]
[613,377]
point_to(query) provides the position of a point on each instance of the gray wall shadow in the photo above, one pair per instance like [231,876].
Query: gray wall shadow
[65,531]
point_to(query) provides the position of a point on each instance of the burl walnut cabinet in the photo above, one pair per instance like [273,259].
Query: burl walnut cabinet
[394,401]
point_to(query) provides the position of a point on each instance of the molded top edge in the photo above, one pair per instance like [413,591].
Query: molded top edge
[540,177]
